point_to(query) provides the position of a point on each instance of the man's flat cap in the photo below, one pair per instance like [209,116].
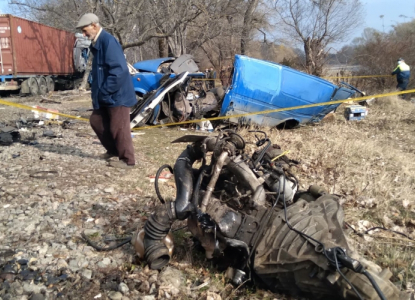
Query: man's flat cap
[87,19]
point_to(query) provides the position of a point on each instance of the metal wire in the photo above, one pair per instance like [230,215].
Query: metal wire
[156,181]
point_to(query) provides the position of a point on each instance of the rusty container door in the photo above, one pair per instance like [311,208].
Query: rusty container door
[39,49]
[6,53]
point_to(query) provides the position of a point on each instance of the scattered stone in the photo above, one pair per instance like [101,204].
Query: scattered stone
[109,190]
[47,236]
[43,193]
[148,297]
[87,274]
[171,276]
[31,288]
[71,245]
[43,250]
[144,287]
[213,296]
[91,231]
[115,295]
[17,288]
[73,265]
[37,297]
[101,221]
[123,288]
[104,263]
[153,278]
[153,289]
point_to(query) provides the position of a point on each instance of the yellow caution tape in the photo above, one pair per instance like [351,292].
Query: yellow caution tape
[223,117]
[22,106]
[278,110]
[363,76]
[282,154]
[325,77]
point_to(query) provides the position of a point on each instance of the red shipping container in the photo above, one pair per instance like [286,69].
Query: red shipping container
[30,48]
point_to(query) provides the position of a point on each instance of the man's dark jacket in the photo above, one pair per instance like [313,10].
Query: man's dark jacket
[111,80]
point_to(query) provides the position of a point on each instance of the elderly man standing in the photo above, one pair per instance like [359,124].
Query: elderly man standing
[112,93]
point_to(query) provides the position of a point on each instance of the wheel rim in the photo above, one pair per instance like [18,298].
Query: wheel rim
[50,83]
[43,89]
[33,86]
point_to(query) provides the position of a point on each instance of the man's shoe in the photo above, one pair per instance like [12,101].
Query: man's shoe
[120,165]
[106,156]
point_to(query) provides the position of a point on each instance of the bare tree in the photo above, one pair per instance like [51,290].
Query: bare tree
[226,28]
[133,22]
[149,28]
[247,25]
[376,52]
[130,21]
[317,24]
[172,19]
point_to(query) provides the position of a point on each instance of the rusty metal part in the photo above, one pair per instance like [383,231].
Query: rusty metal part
[169,243]
[247,179]
[211,186]
[227,219]
[206,239]
[138,243]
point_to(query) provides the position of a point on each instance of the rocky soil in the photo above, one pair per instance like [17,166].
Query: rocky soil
[51,190]
[54,188]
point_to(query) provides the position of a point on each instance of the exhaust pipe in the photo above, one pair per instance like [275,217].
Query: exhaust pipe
[211,186]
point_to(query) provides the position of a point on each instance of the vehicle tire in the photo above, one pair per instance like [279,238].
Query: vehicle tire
[33,86]
[50,83]
[289,124]
[77,84]
[43,88]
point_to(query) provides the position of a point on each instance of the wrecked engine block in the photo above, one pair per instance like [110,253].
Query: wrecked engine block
[249,209]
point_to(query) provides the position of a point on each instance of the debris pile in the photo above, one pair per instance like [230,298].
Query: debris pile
[249,212]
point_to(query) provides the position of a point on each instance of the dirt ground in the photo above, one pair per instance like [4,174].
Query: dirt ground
[370,164]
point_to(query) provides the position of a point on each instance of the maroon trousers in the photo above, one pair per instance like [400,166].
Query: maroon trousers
[112,126]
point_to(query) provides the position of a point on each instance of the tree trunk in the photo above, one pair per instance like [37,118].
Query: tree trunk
[87,71]
[314,56]
[308,56]
[176,43]
[163,51]
[252,5]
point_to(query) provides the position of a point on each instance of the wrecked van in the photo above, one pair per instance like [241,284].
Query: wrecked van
[259,85]
[256,85]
